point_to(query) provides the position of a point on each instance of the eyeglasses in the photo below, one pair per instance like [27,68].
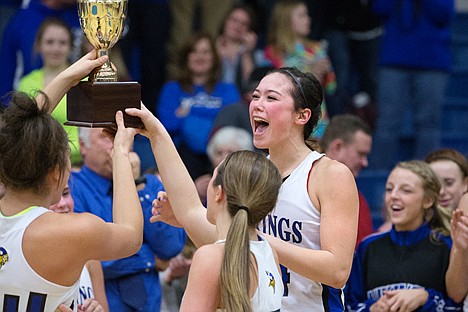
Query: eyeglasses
[296,80]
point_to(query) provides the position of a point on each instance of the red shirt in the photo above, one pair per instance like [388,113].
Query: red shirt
[365,226]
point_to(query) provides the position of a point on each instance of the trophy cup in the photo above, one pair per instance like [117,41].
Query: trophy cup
[94,103]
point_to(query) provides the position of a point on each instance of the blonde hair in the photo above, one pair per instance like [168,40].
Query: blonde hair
[251,183]
[437,217]
[280,33]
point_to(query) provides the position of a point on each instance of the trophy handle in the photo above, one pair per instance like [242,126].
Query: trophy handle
[106,73]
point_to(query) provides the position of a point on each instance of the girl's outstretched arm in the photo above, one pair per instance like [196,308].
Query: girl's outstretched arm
[181,191]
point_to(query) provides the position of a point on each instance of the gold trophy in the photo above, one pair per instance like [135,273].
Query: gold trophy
[94,103]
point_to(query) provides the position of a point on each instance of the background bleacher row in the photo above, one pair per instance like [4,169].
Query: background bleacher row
[454,119]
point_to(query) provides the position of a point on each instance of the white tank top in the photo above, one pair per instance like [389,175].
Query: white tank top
[21,288]
[269,292]
[296,220]
[86,286]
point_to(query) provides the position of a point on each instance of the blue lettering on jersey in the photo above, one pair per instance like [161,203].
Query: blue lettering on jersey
[85,293]
[286,276]
[282,228]
[10,303]
[287,231]
[36,302]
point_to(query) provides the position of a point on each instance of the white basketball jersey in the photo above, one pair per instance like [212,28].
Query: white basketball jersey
[269,291]
[21,288]
[296,220]
[86,286]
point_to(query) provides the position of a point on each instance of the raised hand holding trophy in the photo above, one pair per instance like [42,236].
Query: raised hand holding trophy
[94,103]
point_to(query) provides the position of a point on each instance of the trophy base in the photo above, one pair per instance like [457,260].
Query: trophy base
[94,104]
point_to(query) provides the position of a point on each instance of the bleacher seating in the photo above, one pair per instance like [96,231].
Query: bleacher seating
[454,120]
[455,109]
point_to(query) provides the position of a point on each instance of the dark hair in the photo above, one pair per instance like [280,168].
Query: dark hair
[49,21]
[451,155]
[307,92]
[244,7]
[32,143]
[251,183]
[254,78]
[343,126]
[185,75]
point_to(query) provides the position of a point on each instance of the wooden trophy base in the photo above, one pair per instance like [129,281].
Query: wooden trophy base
[94,104]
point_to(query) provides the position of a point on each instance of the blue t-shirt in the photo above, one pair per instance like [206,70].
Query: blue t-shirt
[189,117]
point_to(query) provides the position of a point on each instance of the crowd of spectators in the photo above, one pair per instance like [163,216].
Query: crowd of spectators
[198,63]
[375,59]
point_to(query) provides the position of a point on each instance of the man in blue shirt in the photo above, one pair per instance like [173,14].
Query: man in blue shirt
[132,284]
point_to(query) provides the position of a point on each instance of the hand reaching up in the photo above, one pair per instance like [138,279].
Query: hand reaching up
[123,137]
[152,125]
[70,77]
[162,211]
[83,67]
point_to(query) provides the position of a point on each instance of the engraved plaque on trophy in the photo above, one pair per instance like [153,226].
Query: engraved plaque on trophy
[94,103]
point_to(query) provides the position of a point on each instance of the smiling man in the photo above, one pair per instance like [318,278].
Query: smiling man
[348,139]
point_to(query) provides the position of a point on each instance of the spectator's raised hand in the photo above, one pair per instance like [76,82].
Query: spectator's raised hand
[179,267]
[320,68]
[250,41]
[459,229]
